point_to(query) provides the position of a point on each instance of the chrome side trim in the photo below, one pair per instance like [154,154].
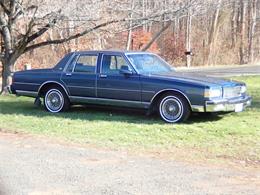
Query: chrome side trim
[22,83]
[144,91]
[110,101]
[116,89]
[47,82]
[176,90]
[73,86]
[26,93]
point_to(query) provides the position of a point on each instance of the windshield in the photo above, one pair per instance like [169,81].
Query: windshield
[149,63]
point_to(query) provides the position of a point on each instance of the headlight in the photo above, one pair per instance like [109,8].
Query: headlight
[212,93]
[243,89]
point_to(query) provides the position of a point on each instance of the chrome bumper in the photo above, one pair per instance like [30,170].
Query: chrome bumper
[9,89]
[233,105]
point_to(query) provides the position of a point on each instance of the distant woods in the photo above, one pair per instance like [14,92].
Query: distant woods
[184,32]
[204,33]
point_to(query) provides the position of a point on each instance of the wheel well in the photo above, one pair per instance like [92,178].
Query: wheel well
[43,89]
[156,99]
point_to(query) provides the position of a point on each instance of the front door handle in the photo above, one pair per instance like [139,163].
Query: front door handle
[103,76]
[68,74]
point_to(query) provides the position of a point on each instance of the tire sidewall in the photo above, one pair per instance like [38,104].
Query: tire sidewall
[186,110]
[161,105]
[45,100]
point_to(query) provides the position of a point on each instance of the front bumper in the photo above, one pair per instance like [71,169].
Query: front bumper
[231,105]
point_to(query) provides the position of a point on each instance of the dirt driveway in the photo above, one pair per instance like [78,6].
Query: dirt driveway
[36,165]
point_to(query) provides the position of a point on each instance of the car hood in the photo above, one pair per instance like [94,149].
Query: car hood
[195,78]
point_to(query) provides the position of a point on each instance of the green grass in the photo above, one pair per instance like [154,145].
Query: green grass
[234,135]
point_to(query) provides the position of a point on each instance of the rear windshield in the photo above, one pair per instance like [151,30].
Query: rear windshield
[62,63]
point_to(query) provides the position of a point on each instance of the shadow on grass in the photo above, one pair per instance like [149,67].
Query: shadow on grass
[256,104]
[95,113]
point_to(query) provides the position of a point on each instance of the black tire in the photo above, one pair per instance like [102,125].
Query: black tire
[56,100]
[173,108]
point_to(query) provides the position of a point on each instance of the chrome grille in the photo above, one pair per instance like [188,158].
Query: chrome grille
[230,92]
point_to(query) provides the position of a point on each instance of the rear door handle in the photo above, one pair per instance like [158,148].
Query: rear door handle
[103,76]
[68,74]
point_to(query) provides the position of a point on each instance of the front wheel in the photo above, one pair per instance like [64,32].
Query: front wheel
[55,100]
[173,108]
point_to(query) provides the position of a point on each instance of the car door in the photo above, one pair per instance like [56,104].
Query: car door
[80,76]
[112,84]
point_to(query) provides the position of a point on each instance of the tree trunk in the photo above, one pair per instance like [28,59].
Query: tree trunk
[213,33]
[8,69]
[176,31]
[188,39]
[156,36]
[251,30]
[243,5]
[129,35]
[8,54]
[129,38]
[144,14]
[233,26]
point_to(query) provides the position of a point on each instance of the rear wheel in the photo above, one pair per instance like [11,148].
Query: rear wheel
[56,100]
[173,108]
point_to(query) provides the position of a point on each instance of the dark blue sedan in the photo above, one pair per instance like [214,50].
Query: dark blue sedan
[129,79]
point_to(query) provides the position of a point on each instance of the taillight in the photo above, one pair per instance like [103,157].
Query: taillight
[13,78]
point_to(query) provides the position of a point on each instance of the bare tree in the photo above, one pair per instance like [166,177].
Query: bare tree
[209,27]
[214,31]
[24,23]
[251,29]
[156,36]
[129,35]
[234,24]
[188,37]
[243,8]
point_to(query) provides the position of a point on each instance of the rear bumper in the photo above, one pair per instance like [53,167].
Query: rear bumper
[10,90]
[232,105]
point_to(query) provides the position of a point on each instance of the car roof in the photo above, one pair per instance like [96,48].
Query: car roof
[111,52]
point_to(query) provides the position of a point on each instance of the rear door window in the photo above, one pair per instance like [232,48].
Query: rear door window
[86,64]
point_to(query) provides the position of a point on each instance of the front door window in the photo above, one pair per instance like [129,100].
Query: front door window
[111,64]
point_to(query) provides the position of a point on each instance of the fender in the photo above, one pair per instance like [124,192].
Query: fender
[48,82]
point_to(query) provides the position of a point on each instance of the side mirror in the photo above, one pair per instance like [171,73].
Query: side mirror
[125,70]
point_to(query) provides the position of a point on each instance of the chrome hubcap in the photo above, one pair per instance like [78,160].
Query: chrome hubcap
[54,100]
[171,109]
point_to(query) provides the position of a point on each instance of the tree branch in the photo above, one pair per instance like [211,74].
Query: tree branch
[5,8]
[75,36]
[157,35]
[59,41]
[40,32]
[27,39]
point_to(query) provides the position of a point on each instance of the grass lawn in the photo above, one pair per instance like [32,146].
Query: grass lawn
[232,136]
